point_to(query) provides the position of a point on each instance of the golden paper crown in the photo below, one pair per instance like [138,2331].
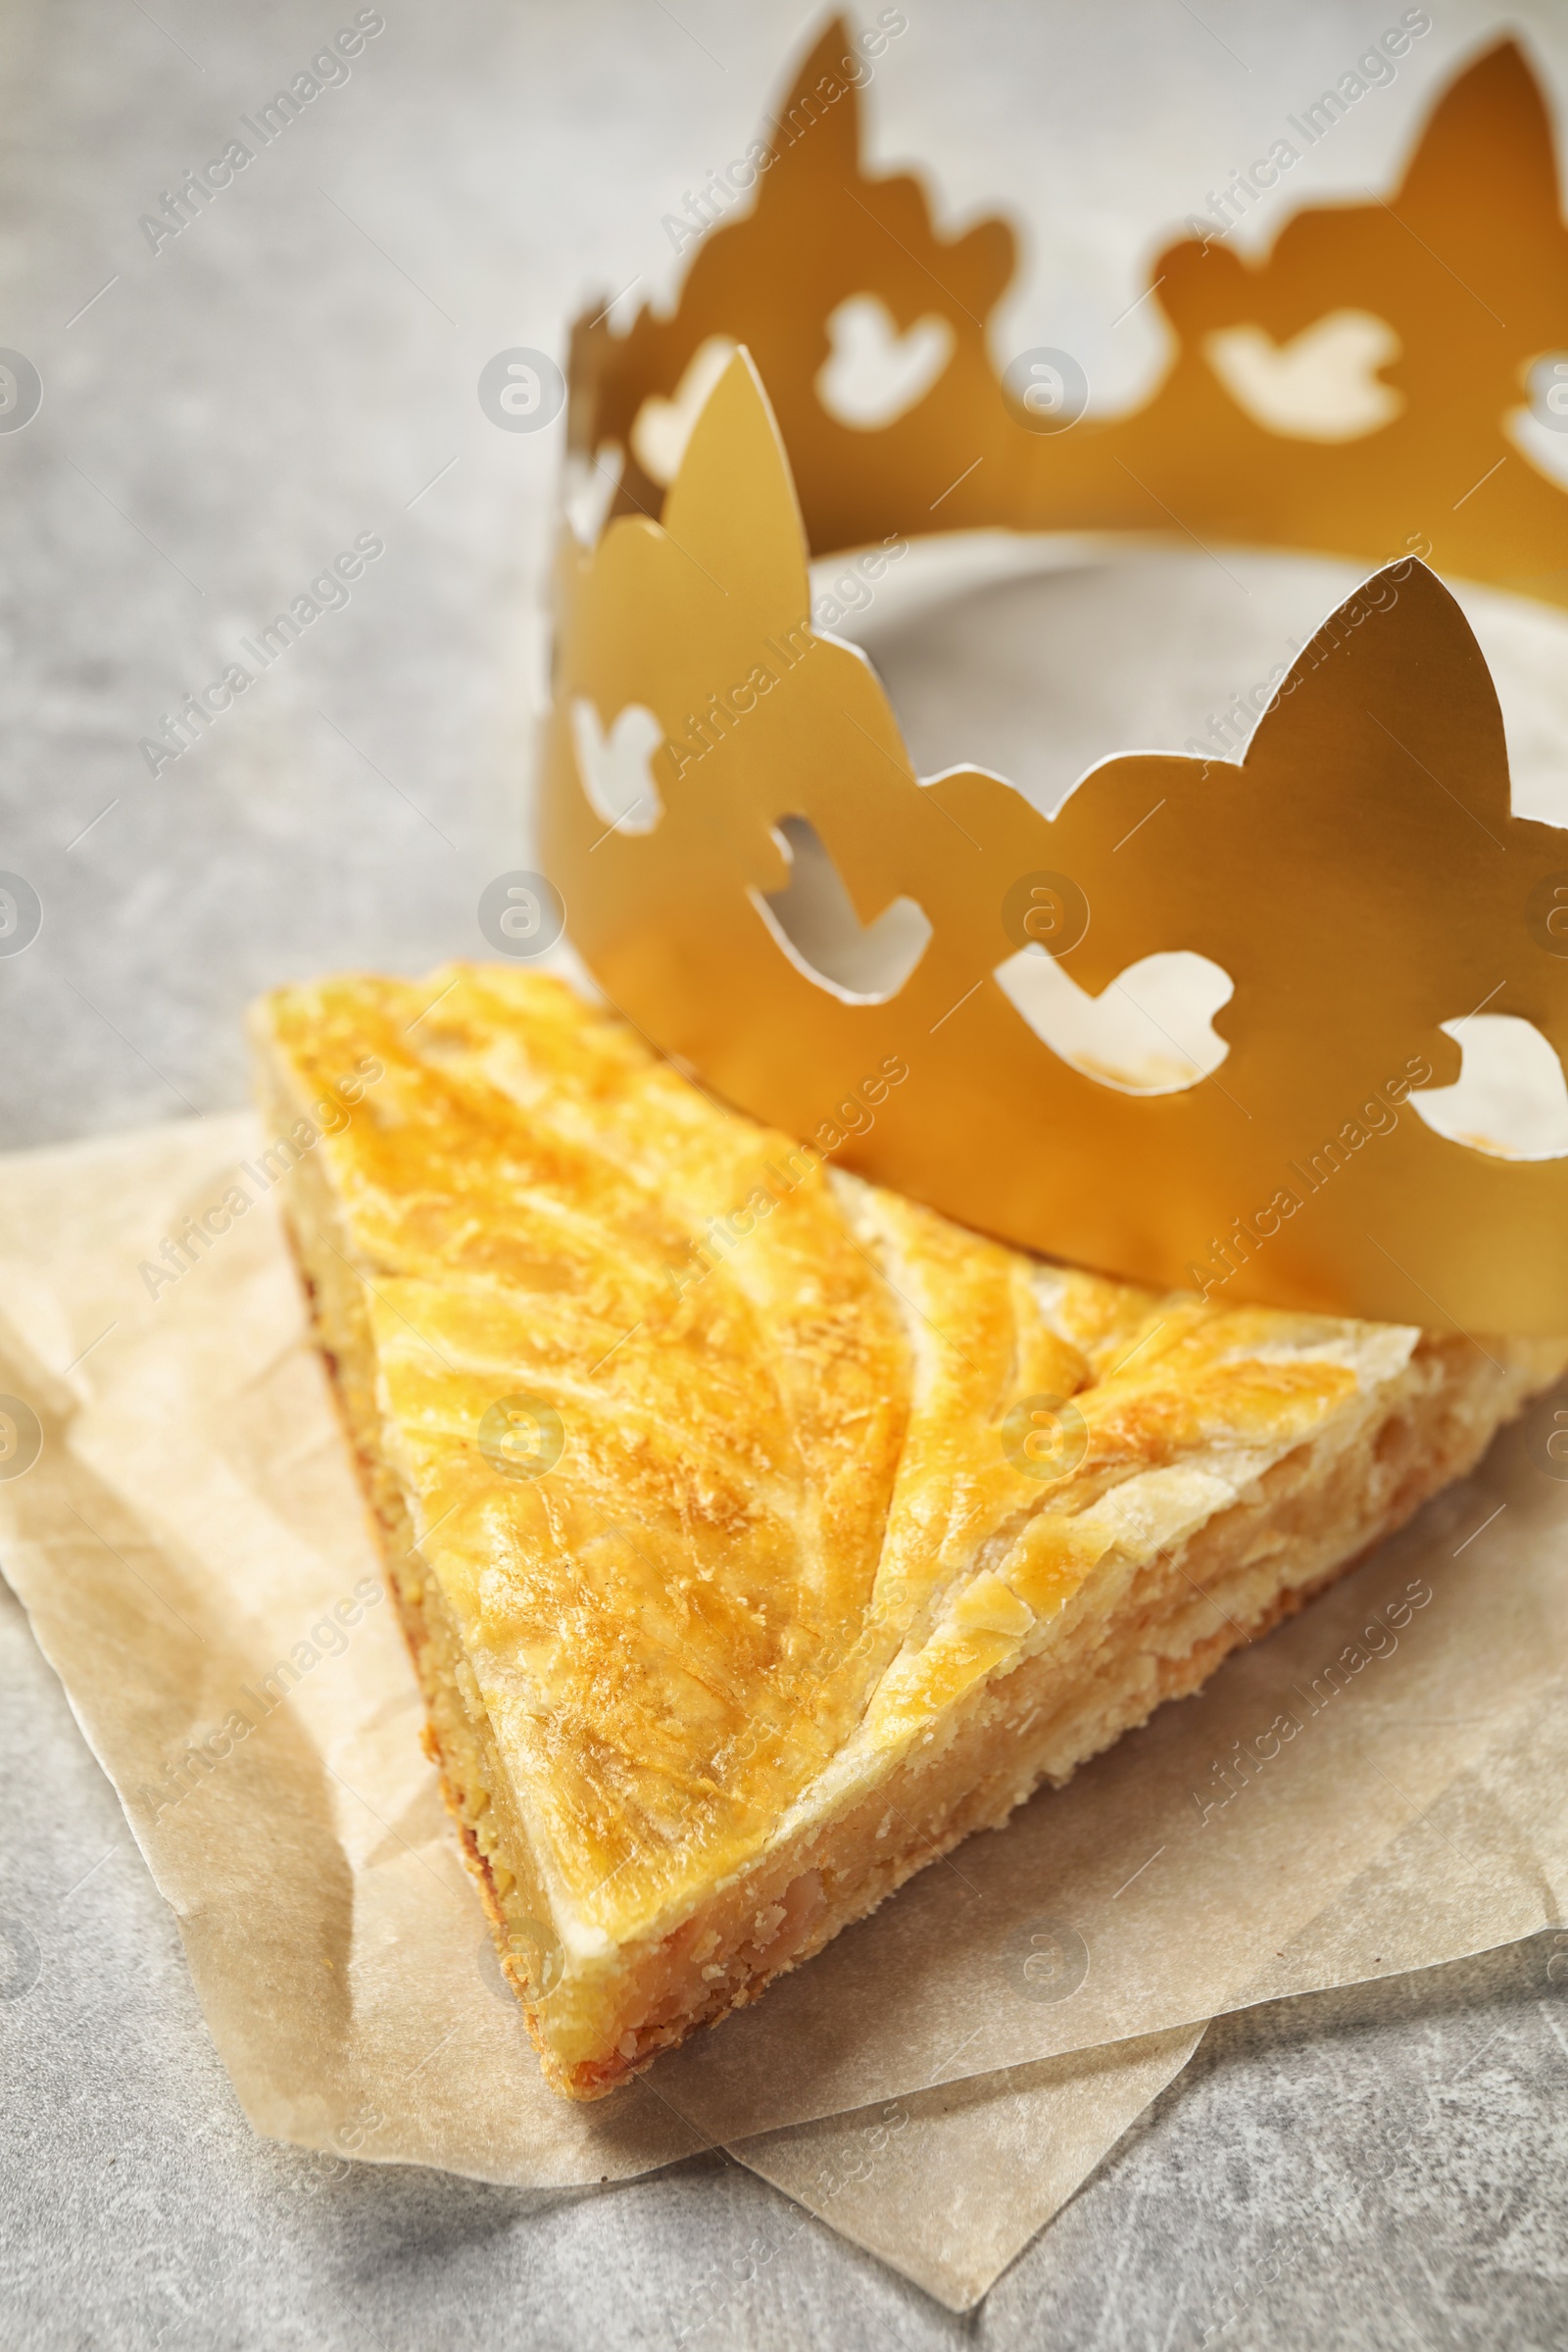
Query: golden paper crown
[753,871]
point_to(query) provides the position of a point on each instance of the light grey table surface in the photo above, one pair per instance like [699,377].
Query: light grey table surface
[1380,2169]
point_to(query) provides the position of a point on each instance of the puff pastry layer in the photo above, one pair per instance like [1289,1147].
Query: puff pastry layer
[744,1567]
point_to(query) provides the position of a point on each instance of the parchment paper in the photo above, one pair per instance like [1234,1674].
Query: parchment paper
[192,1518]
[949,2184]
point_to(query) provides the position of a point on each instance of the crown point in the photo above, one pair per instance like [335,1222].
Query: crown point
[1395,676]
[821,99]
[732,507]
[1487,147]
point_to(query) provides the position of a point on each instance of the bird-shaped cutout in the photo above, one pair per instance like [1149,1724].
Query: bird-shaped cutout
[615,768]
[873,373]
[1510,1098]
[1322,385]
[814,919]
[1148,1033]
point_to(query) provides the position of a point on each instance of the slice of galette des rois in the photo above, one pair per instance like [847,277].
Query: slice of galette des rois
[759,1533]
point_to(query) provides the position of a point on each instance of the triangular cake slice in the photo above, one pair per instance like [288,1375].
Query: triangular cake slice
[745,1569]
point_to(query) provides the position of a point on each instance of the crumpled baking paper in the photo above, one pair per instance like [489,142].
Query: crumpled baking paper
[1367,1791]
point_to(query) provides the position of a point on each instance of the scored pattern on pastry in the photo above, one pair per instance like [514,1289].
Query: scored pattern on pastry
[757,1532]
